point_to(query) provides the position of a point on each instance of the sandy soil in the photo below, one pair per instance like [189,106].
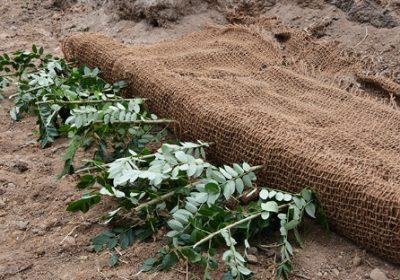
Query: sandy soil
[40,240]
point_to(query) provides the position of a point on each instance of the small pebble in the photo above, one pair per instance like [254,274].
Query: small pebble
[89,249]
[356,261]
[336,272]
[2,204]
[21,225]
[69,240]
[252,259]
[38,231]
[102,262]
[252,251]
[377,274]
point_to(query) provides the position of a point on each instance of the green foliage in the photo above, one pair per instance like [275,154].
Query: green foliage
[83,204]
[172,186]
[177,188]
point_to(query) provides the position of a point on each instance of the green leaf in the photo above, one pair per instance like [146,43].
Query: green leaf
[96,71]
[86,71]
[279,196]
[126,238]
[181,156]
[247,181]
[292,224]
[227,276]
[84,203]
[86,181]
[310,210]
[169,260]
[238,168]
[181,218]
[172,233]
[212,188]
[272,194]
[72,148]
[244,270]
[175,225]
[218,176]
[113,260]
[239,185]
[288,247]
[246,167]
[14,113]
[306,194]
[148,264]
[282,216]
[299,202]
[264,194]
[200,197]
[102,239]
[229,189]
[297,237]
[191,254]
[226,174]
[265,215]
[113,242]
[231,171]
[184,212]
[192,170]
[34,49]
[287,197]
[270,206]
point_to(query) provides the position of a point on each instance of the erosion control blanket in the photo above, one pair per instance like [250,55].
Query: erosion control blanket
[270,95]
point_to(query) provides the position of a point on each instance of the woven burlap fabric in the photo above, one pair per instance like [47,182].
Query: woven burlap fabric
[268,95]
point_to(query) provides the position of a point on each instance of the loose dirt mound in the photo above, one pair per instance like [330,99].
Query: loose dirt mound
[162,12]
[156,12]
[367,11]
[266,94]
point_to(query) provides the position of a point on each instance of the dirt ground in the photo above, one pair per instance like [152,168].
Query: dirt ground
[40,240]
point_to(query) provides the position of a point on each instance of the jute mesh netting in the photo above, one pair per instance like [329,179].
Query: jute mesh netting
[269,95]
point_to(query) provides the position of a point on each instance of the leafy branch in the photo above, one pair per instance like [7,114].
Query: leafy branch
[156,184]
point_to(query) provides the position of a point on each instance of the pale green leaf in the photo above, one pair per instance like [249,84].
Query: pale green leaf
[175,225]
[264,194]
[270,206]
[229,189]
[239,185]
[310,210]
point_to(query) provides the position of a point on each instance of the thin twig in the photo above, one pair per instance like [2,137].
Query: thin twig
[365,37]
[269,246]
[108,164]
[86,101]
[103,274]
[178,270]
[160,121]
[69,234]
[228,227]
[170,194]
[212,235]
[157,200]
[37,88]
[8,75]
[13,95]
[132,157]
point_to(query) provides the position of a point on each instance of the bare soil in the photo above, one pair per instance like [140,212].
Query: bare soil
[40,240]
